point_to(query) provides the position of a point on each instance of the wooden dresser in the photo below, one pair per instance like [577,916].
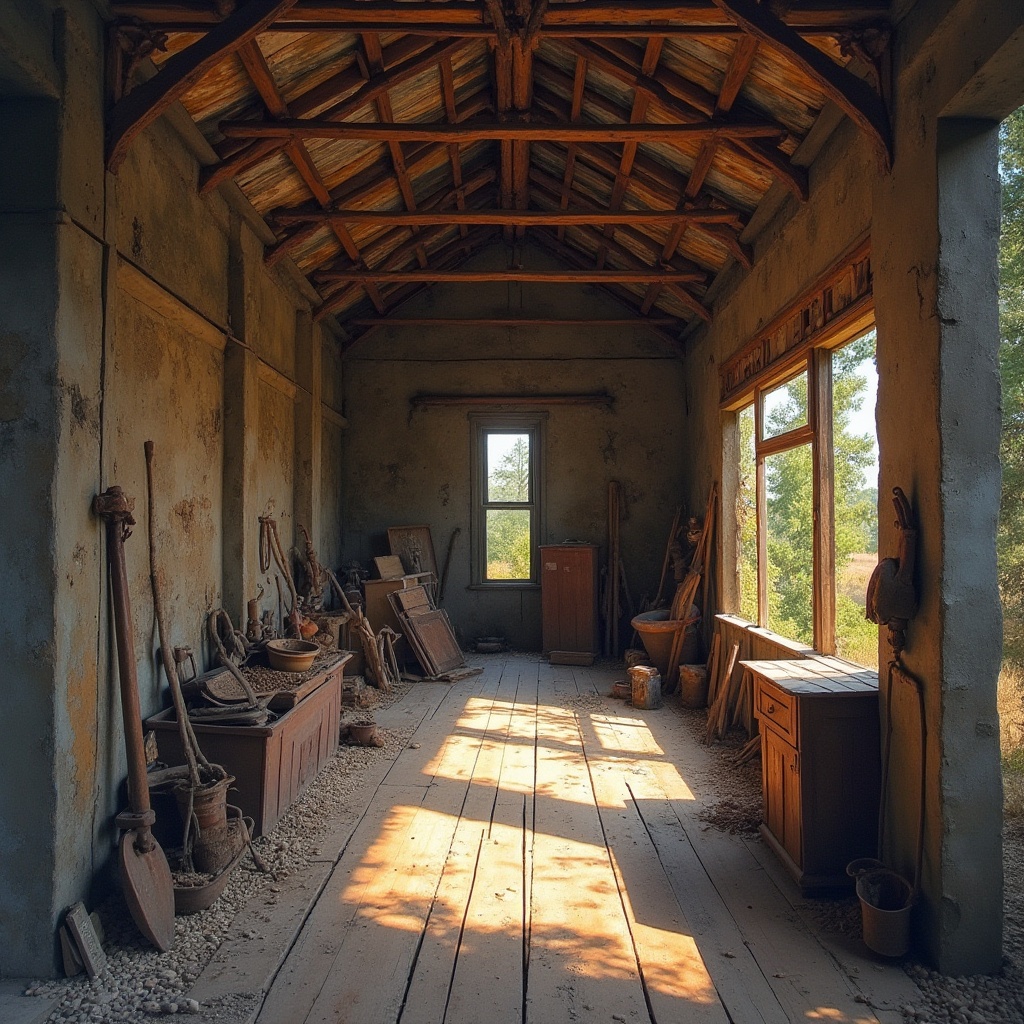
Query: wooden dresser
[820,764]
[568,584]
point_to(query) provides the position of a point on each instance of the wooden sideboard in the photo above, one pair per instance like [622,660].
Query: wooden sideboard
[820,764]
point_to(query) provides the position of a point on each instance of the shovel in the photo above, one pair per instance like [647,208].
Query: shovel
[145,874]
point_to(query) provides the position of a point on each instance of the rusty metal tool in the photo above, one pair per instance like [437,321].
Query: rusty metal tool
[145,873]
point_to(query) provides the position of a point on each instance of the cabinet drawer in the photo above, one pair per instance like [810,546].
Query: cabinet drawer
[775,709]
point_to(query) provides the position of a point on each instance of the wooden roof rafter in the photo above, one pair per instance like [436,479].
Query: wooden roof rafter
[571,120]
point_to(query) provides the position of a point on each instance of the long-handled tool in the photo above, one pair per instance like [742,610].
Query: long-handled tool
[145,874]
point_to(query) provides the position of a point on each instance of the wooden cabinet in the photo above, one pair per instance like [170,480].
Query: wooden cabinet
[820,764]
[568,585]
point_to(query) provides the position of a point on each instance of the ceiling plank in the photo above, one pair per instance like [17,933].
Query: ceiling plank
[579,84]
[513,131]
[451,112]
[851,94]
[147,101]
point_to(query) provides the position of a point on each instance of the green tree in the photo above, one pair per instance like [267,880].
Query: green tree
[508,529]
[1010,538]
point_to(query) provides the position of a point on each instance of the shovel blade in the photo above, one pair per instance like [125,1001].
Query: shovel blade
[148,890]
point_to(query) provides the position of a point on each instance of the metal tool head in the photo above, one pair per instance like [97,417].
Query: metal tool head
[148,887]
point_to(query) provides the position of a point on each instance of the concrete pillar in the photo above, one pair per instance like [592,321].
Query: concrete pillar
[934,236]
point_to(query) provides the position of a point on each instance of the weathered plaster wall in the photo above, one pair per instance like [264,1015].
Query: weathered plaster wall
[934,224]
[118,306]
[405,468]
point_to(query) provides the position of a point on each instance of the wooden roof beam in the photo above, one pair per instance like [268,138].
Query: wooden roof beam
[641,101]
[739,66]
[477,131]
[448,93]
[518,275]
[573,258]
[505,218]
[579,84]
[366,195]
[255,64]
[135,112]
[689,103]
[671,18]
[366,92]
[858,100]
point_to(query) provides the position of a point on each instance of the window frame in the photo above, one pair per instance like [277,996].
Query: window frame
[818,432]
[483,425]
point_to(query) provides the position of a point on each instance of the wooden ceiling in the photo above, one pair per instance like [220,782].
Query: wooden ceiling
[385,141]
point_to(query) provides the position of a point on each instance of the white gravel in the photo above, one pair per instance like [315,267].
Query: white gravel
[139,984]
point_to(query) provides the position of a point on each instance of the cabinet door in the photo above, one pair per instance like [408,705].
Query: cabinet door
[567,600]
[781,779]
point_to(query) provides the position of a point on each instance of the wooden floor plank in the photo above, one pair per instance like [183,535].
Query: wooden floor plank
[380,942]
[582,966]
[657,786]
[676,981]
[541,850]
[431,980]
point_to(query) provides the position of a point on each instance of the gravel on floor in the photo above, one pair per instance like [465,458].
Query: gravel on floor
[139,983]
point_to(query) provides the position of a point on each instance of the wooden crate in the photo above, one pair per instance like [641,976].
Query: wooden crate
[272,764]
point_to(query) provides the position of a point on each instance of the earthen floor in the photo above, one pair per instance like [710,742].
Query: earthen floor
[537,852]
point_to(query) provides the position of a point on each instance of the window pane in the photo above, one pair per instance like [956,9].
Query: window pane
[746,517]
[785,407]
[854,388]
[508,467]
[790,536]
[508,544]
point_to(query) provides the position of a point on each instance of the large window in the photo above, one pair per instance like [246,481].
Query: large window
[506,500]
[807,529]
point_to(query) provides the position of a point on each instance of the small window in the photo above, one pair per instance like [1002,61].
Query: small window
[505,514]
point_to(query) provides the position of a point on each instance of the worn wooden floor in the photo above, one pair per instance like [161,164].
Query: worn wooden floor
[538,857]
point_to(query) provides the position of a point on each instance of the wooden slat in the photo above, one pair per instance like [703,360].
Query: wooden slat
[147,101]
[513,321]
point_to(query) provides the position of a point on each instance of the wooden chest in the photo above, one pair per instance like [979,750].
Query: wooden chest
[568,584]
[272,764]
[820,764]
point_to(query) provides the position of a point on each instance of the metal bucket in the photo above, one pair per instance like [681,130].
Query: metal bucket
[886,900]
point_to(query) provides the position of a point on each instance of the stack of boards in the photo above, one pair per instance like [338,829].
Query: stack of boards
[428,631]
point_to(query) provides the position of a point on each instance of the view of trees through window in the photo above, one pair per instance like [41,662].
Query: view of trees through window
[789,512]
[508,474]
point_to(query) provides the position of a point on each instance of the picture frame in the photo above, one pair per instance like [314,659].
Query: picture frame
[414,545]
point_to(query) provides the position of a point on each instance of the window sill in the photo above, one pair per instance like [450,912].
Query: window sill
[503,586]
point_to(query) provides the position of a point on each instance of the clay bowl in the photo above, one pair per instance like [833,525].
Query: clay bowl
[622,689]
[291,655]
